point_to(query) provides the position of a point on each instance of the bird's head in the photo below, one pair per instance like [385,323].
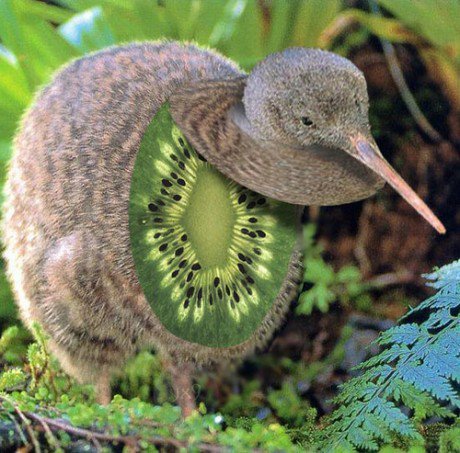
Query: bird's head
[307,97]
[302,132]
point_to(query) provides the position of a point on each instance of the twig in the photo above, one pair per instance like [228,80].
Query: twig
[18,429]
[390,279]
[365,264]
[400,81]
[29,430]
[50,436]
[46,424]
[94,435]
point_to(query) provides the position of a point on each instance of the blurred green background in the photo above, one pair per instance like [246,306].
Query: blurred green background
[37,37]
[363,260]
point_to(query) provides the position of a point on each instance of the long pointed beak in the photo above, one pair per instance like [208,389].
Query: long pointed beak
[367,153]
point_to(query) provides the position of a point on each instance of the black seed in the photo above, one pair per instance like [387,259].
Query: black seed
[200,294]
[252,234]
[241,268]
[220,294]
[252,220]
[181,165]
[161,202]
[227,290]
[241,257]
[249,260]
[249,291]
[173,157]
[186,153]
[181,182]
[190,291]
[164,192]
[157,235]
[171,230]
[244,230]
[201,157]
[170,261]
[257,251]
[186,303]
[163,247]
[210,299]
[183,263]
[261,233]
[181,141]
[216,282]
[166,182]
[251,205]
[153,207]
[174,175]
[177,198]
[183,238]
[182,284]
[242,198]
[198,304]
[175,273]
[158,220]
[250,280]
[179,251]
[236,296]
[189,276]
[196,267]
[261,201]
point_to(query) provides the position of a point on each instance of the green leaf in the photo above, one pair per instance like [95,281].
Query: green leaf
[312,17]
[224,28]
[88,30]
[441,28]
[34,41]
[417,368]
[47,12]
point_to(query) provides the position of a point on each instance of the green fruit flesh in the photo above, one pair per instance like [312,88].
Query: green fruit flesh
[211,256]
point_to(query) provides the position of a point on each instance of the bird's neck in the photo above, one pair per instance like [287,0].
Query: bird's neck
[211,115]
[202,110]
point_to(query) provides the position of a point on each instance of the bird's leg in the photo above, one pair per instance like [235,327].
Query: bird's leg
[182,383]
[102,387]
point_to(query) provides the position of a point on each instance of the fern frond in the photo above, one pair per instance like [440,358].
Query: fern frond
[418,368]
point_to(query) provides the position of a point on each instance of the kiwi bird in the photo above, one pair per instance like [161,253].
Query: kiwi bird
[151,200]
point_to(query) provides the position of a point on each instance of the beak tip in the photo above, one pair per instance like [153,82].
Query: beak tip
[371,157]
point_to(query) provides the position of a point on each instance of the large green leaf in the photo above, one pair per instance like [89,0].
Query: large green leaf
[34,41]
[14,91]
[245,45]
[437,21]
[44,11]
[312,17]
[88,30]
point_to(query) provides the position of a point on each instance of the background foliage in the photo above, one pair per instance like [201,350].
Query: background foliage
[362,267]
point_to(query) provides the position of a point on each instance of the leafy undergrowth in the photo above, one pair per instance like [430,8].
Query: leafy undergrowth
[418,370]
[39,405]
[406,397]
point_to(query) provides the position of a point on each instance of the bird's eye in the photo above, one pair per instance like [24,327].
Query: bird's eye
[306,121]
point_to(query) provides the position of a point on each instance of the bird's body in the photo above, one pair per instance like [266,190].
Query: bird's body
[66,225]
[67,237]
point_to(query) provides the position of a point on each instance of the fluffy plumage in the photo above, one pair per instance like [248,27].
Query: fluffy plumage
[66,230]
[66,213]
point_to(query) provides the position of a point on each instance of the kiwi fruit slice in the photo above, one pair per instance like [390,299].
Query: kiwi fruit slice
[211,256]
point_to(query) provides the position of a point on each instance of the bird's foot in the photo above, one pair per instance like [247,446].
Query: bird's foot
[182,383]
[103,390]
